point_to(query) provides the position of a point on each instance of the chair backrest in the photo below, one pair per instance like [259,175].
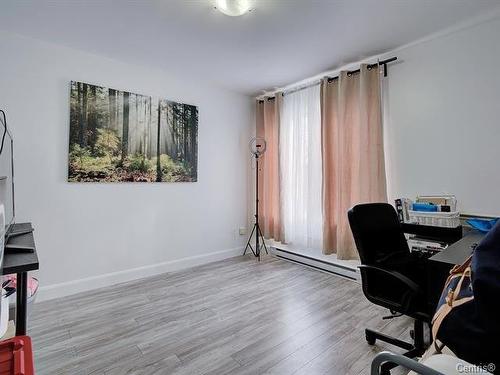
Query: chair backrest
[377,232]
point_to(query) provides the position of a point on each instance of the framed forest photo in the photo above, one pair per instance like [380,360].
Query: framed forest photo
[118,136]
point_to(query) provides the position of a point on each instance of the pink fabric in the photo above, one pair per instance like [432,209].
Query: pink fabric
[32,283]
[267,127]
[352,152]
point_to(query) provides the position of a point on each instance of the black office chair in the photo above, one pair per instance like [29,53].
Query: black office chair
[391,277]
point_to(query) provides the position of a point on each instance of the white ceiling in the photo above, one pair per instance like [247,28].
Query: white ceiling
[280,42]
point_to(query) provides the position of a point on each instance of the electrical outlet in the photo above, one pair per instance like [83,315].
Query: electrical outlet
[243,231]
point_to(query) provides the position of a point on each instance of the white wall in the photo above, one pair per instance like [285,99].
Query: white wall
[116,232]
[443,130]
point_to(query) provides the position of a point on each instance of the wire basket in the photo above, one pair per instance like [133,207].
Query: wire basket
[437,219]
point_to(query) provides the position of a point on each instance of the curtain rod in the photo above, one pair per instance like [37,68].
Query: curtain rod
[330,79]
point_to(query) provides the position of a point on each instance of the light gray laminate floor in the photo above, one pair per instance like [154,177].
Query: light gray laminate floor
[235,316]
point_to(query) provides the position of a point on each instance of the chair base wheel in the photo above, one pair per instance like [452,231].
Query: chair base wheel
[370,338]
[415,349]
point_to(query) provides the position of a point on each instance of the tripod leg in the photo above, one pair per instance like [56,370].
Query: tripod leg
[248,243]
[263,239]
[252,249]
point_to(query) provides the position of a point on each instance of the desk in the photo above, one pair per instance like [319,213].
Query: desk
[21,264]
[440,264]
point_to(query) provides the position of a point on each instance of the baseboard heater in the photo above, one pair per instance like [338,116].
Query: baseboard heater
[319,264]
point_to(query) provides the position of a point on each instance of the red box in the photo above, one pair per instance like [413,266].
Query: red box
[16,356]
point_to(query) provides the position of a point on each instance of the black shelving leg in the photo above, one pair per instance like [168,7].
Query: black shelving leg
[21,303]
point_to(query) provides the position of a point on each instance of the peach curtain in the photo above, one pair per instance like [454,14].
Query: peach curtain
[268,121]
[352,153]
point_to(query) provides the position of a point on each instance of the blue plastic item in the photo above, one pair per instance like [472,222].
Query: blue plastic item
[425,207]
[482,225]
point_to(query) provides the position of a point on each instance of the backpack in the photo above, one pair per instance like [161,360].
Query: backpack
[467,318]
[457,290]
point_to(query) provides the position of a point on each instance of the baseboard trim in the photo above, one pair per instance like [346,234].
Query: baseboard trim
[90,283]
[321,265]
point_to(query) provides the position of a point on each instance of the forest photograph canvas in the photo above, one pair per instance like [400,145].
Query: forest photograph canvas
[118,136]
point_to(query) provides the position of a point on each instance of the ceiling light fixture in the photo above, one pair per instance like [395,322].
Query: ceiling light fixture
[233,7]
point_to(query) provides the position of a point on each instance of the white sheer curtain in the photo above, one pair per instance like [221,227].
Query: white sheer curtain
[301,168]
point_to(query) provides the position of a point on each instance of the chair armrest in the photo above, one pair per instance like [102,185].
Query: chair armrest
[401,302]
[401,360]
[396,276]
